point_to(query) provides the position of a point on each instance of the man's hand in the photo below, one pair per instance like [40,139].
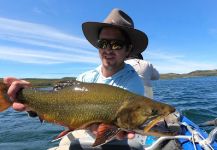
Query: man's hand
[14,86]
[122,135]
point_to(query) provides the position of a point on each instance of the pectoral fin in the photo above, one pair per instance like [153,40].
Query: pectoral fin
[62,134]
[105,133]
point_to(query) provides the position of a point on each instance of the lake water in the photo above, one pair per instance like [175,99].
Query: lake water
[196,98]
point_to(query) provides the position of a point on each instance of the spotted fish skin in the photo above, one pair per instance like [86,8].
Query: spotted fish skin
[76,105]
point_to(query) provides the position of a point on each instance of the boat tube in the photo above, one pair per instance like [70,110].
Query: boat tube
[191,137]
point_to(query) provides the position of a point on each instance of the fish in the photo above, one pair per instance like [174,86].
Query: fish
[77,105]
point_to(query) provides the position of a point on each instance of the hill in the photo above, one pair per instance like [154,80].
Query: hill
[40,82]
[197,73]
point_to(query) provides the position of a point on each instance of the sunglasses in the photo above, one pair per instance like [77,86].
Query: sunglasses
[114,44]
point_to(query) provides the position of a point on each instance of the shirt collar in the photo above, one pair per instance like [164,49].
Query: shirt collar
[123,71]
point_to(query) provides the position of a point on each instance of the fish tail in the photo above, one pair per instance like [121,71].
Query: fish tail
[5,102]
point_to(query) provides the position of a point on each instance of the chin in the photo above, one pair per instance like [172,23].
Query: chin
[108,66]
[108,63]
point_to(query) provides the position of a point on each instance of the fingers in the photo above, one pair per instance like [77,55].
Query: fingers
[93,128]
[9,80]
[14,86]
[122,135]
[130,135]
[19,107]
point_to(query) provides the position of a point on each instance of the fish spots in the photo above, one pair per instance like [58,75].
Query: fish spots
[63,84]
[82,89]
[74,85]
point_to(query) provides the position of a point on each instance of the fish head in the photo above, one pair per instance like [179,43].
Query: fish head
[142,114]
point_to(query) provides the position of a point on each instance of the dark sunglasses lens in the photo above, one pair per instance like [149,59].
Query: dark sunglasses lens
[116,45]
[102,44]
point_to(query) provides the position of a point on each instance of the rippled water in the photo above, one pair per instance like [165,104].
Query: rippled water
[194,97]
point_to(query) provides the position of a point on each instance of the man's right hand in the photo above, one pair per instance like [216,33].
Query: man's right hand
[14,86]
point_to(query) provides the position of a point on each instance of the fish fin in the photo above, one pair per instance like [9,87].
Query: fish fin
[5,102]
[105,133]
[41,119]
[62,134]
[32,114]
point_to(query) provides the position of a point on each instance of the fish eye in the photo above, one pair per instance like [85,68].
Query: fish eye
[154,111]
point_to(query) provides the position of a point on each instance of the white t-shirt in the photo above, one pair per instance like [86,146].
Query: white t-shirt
[146,71]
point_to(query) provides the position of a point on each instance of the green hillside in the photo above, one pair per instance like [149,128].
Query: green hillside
[197,73]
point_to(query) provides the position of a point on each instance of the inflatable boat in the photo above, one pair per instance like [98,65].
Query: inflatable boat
[190,137]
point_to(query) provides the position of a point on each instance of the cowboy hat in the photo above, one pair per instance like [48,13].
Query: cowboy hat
[119,19]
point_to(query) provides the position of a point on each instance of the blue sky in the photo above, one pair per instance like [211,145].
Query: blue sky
[43,38]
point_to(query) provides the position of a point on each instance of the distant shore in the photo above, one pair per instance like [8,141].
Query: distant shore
[197,73]
[37,82]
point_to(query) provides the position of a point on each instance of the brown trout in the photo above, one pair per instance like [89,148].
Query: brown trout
[77,105]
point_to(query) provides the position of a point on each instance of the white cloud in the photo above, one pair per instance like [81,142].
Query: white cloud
[42,57]
[15,28]
[40,44]
[176,63]
[48,45]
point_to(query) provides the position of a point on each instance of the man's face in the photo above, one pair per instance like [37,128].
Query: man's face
[112,59]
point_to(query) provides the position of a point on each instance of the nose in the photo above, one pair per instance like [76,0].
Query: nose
[108,49]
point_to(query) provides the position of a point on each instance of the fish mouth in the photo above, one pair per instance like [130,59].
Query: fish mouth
[157,127]
[151,122]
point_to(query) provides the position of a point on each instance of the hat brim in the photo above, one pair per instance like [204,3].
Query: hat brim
[138,38]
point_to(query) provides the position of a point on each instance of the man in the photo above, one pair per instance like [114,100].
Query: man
[115,39]
[145,70]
